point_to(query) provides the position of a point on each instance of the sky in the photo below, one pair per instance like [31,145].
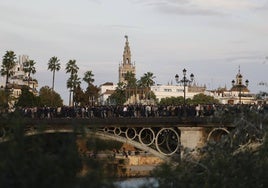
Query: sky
[209,38]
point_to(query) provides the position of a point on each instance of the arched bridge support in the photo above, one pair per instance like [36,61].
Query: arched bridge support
[192,137]
[197,137]
[162,142]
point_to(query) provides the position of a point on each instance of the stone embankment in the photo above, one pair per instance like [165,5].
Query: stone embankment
[126,162]
[137,165]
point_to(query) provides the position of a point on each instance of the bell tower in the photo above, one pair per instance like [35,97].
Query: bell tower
[126,65]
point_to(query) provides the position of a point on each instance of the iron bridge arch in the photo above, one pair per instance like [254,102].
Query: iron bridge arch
[161,142]
[217,133]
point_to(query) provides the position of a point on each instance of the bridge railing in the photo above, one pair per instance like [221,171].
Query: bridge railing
[142,111]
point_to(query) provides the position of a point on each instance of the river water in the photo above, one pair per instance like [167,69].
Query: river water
[137,182]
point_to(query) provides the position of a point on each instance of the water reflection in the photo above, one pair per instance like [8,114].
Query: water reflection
[137,182]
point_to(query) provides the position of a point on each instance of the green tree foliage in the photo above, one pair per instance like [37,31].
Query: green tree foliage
[73,80]
[119,96]
[147,80]
[53,66]
[29,68]
[88,78]
[91,94]
[237,160]
[3,101]
[197,99]
[79,95]
[49,160]
[73,83]
[131,80]
[48,97]
[204,99]
[27,98]
[8,63]
[171,101]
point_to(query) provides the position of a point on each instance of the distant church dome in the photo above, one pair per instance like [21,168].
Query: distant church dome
[238,84]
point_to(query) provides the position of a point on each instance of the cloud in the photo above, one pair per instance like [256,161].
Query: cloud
[243,59]
[124,26]
[229,5]
[204,7]
[179,7]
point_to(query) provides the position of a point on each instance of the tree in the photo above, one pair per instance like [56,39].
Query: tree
[147,80]
[197,99]
[131,80]
[88,78]
[3,101]
[92,91]
[73,80]
[172,101]
[119,97]
[8,65]
[29,68]
[30,160]
[72,83]
[204,99]
[27,98]
[53,65]
[239,159]
[45,95]
[79,95]
[91,94]
[131,83]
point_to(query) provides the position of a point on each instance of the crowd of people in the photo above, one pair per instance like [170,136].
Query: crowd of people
[140,111]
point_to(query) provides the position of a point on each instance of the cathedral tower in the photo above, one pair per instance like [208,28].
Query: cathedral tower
[126,65]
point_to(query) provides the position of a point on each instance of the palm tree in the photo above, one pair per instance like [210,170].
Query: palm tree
[130,78]
[53,65]
[71,67]
[91,89]
[88,77]
[131,84]
[73,81]
[147,79]
[28,67]
[8,65]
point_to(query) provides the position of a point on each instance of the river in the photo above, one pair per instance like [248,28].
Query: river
[137,182]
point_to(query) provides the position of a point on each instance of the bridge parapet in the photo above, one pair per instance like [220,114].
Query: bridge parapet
[131,122]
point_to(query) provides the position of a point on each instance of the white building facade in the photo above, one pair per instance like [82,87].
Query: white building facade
[106,90]
[165,91]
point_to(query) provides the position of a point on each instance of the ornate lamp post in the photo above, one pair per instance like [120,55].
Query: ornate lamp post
[185,82]
[240,86]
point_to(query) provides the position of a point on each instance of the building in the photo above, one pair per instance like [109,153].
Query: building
[20,79]
[106,90]
[126,65]
[165,91]
[137,95]
[238,94]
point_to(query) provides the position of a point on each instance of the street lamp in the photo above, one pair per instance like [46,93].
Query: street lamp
[240,86]
[185,82]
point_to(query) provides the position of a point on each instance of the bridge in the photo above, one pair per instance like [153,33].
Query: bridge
[163,137]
